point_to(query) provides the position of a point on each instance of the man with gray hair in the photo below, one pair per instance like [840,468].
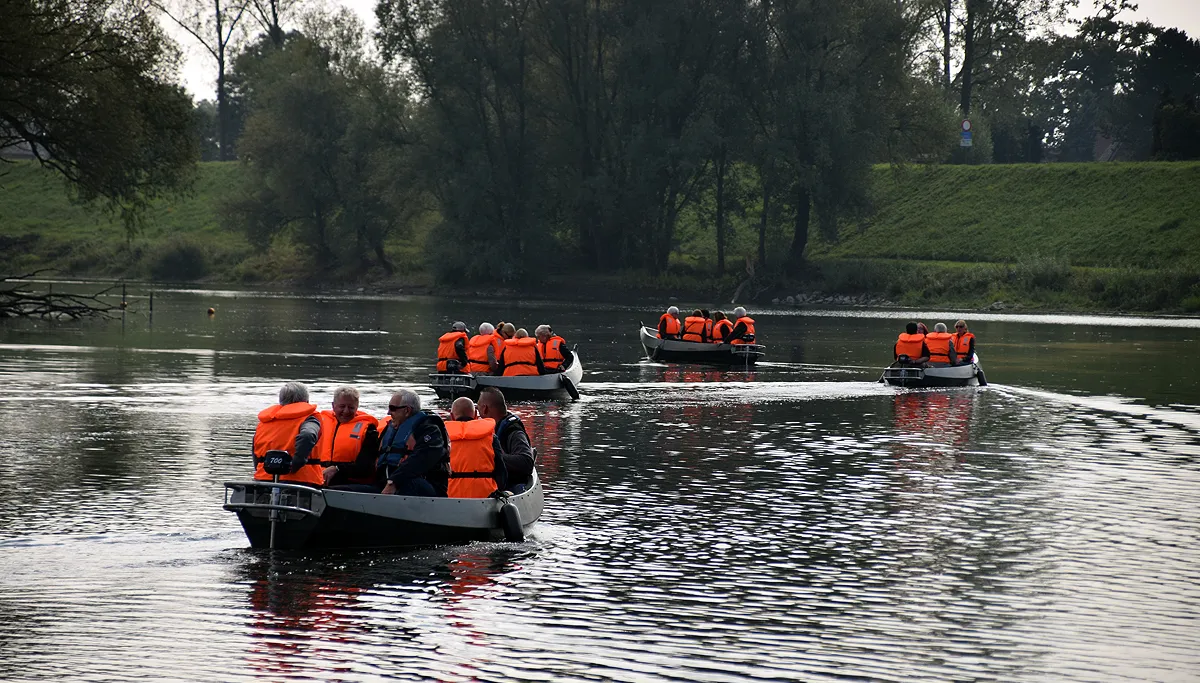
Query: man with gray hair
[743,328]
[941,346]
[452,349]
[414,450]
[553,349]
[290,425]
[483,351]
[669,325]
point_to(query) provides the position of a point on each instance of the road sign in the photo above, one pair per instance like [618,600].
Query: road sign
[966,125]
[966,139]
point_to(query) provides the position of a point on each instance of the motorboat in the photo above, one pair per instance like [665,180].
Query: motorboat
[293,516]
[707,353]
[928,376]
[557,385]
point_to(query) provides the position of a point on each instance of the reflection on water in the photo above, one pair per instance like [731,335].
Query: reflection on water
[797,522]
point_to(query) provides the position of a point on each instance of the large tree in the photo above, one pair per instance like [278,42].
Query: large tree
[325,144]
[216,26]
[85,86]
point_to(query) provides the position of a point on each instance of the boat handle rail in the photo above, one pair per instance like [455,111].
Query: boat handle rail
[236,507]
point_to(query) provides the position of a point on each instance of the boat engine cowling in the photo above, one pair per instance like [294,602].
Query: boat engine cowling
[277,462]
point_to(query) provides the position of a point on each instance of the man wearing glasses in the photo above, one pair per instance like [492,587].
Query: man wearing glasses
[414,450]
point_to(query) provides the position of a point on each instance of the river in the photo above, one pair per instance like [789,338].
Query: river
[798,522]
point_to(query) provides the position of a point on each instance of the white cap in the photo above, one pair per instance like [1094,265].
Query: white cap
[739,312]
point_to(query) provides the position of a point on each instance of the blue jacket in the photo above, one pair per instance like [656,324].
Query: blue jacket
[429,459]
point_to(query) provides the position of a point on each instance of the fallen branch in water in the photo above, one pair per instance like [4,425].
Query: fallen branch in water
[18,300]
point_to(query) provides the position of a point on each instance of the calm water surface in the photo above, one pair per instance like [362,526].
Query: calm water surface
[799,522]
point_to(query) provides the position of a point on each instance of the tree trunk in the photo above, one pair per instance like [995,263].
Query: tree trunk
[720,168]
[224,144]
[946,36]
[382,258]
[762,223]
[800,235]
[276,31]
[968,63]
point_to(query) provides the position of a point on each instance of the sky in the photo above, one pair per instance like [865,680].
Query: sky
[198,72]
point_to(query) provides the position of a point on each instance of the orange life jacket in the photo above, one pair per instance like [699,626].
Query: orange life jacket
[277,429]
[909,345]
[340,443]
[693,328]
[938,344]
[673,325]
[520,357]
[962,345]
[472,458]
[720,329]
[446,350]
[477,356]
[748,337]
[552,356]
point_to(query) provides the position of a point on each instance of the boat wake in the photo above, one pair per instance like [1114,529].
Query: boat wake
[1180,415]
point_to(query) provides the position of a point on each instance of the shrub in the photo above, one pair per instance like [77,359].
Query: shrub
[178,258]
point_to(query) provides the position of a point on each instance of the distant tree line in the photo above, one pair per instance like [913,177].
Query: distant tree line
[580,131]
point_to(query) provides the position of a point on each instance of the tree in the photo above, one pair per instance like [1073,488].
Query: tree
[270,15]
[324,143]
[826,79]
[85,88]
[215,26]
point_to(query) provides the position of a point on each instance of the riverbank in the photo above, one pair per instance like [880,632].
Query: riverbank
[1061,237]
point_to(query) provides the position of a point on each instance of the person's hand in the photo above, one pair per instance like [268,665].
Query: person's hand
[328,472]
[389,489]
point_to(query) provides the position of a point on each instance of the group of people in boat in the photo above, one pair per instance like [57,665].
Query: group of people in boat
[703,328]
[474,453]
[918,346]
[502,349]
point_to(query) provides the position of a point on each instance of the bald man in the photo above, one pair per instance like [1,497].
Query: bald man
[476,462]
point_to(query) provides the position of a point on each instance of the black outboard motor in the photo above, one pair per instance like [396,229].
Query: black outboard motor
[275,463]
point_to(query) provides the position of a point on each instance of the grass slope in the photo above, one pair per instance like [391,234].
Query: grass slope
[1142,215]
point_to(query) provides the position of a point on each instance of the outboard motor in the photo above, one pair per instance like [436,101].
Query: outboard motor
[275,463]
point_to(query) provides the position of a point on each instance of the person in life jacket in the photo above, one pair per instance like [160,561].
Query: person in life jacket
[516,450]
[910,347]
[694,327]
[414,449]
[669,326]
[964,342]
[349,441]
[520,356]
[940,345]
[291,425]
[452,349]
[476,465]
[721,327]
[483,351]
[553,349]
[743,328]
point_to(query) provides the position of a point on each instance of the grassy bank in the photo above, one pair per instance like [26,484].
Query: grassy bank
[1144,215]
[1049,236]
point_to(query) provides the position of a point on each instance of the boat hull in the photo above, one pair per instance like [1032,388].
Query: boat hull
[674,351]
[325,518]
[935,377]
[526,388]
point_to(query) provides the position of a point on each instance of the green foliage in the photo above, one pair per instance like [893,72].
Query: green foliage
[177,258]
[85,87]
[322,147]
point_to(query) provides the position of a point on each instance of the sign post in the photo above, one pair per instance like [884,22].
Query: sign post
[965,140]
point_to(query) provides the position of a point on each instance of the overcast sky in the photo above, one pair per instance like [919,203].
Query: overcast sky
[200,80]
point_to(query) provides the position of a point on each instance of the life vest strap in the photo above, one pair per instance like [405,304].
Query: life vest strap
[471,475]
